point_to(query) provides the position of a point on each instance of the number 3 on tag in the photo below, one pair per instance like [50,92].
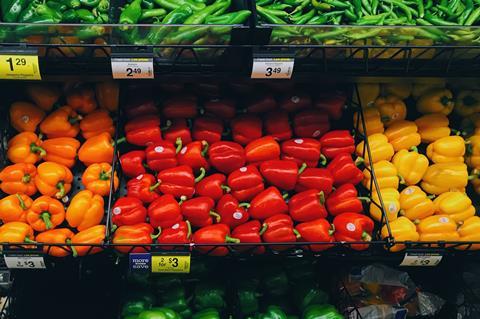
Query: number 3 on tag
[19,67]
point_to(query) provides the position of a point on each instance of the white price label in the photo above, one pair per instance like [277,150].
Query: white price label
[132,68]
[25,262]
[272,68]
[421,259]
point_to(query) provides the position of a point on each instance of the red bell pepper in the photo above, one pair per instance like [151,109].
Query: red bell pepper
[353,227]
[144,130]
[223,108]
[128,211]
[178,181]
[315,178]
[311,123]
[277,125]
[161,156]
[246,128]
[245,183]
[344,199]
[226,156]
[332,103]
[138,234]
[280,173]
[213,186]
[261,104]
[249,233]
[303,150]
[267,203]
[213,235]
[208,129]
[199,211]
[337,142]
[164,211]
[307,206]
[279,229]
[231,212]
[262,149]
[177,129]
[318,230]
[193,155]
[143,187]
[344,170]
[179,233]
[140,107]
[180,107]
[294,102]
[133,163]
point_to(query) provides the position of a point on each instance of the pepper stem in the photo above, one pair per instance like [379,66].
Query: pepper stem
[61,191]
[201,176]
[74,251]
[321,196]
[104,176]
[323,160]
[179,144]
[247,205]
[182,199]
[218,218]
[34,148]
[264,229]
[302,168]
[414,149]
[26,178]
[120,140]
[285,196]
[297,234]
[28,240]
[21,202]
[229,239]
[367,199]
[366,236]
[155,236]
[331,231]
[225,188]
[402,180]
[74,119]
[431,196]
[359,161]
[154,186]
[445,100]
[205,148]
[45,216]
[189,227]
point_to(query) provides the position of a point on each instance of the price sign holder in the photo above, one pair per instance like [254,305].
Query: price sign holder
[422,258]
[270,65]
[132,65]
[19,64]
[171,262]
[24,260]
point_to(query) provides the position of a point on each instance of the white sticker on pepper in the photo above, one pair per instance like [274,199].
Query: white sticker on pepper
[243,169]
[351,227]
[117,211]
[159,149]
[237,215]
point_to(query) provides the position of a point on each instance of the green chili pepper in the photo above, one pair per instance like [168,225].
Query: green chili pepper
[13,9]
[57,5]
[89,3]
[157,34]
[374,6]
[338,4]
[148,4]
[367,6]
[364,35]
[29,12]
[132,13]
[300,7]
[85,16]
[236,17]
[466,13]
[45,11]
[32,26]
[395,21]
[306,17]
[429,4]
[70,16]
[358,7]
[333,13]
[473,17]
[269,16]
[174,4]
[102,18]
[372,20]
[278,6]
[90,32]
[437,21]
[406,9]
[321,6]
[420,8]
[317,20]
[153,13]
[200,16]
[266,2]
[350,15]
[72,4]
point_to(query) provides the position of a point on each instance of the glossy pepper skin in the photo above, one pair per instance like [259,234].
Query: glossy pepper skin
[180,107]
[261,104]
[144,130]
[295,101]
[207,129]
[143,187]
[333,103]
[164,212]
[223,108]
[472,156]
[61,150]
[469,231]
[178,233]
[268,203]
[277,125]
[231,211]
[53,179]
[450,149]
[344,199]
[97,122]
[213,186]
[316,311]
[302,150]
[226,156]
[307,206]
[179,181]
[162,155]
[97,177]
[43,95]
[249,232]
[262,149]
[386,174]
[213,234]
[25,117]
[373,122]
[199,211]
[245,183]
[380,149]
[457,205]
[133,163]
[352,227]
[415,204]
[279,229]
[317,230]
[403,229]
[97,149]
[246,128]
[437,100]
[467,103]
[93,235]
[56,236]
[392,109]
[14,208]
[85,210]
[438,228]
[45,213]
[411,166]
[18,178]
[194,155]
[432,127]
[403,135]
[320,179]
[137,234]
[443,177]
[311,123]
[61,123]
[82,99]
[337,142]
[16,232]
[175,129]
[391,203]
[25,148]
[280,173]
[344,170]
[128,211]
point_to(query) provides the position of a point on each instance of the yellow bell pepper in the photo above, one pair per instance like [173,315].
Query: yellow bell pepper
[433,127]
[391,109]
[391,202]
[367,92]
[438,228]
[386,174]
[444,177]
[467,103]
[373,123]
[415,204]
[448,149]
[457,205]
[472,157]
[411,166]
[379,148]
[403,135]
[400,90]
[419,89]
[436,101]
[470,231]
[402,230]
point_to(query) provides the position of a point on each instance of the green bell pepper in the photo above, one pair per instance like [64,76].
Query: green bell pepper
[152,314]
[209,313]
[169,313]
[247,301]
[12,10]
[134,307]
[321,312]
[307,294]
[209,295]
[174,298]
[273,312]
[131,13]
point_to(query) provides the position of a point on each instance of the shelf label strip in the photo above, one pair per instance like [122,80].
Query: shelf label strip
[272,68]
[422,259]
[132,68]
[19,66]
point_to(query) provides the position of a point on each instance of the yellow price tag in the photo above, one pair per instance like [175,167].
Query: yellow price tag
[171,263]
[19,67]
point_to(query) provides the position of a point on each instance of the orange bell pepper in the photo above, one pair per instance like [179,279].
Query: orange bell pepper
[18,178]
[53,179]
[107,93]
[14,208]
[96,178]
[25,148]
[97,149]
[57,236]
[43,95]
[16,232]
[97,122]
[61,123]
[85,210]
[45,213]
[61,150]
[94,235]
[25,117]
[82,99]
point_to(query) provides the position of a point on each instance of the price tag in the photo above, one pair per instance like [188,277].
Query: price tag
[171,263]
[272,68]
[421,259]
[25,262]
[132,68]
[19,67]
